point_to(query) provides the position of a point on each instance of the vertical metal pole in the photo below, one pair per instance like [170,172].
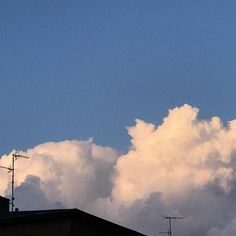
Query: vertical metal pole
[12,182]
[170,227]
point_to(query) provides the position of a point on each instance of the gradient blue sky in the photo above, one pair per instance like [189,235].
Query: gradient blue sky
[79,69]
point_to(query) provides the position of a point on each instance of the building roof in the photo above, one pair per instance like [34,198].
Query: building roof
[70,214]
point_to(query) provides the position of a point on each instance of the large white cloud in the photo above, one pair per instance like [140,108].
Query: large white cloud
[184,166]
[180,153]
[71,172]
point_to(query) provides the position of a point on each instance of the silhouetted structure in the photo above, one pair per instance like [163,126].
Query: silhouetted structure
[4,205]
[65,222]
[11,169]
[170,218]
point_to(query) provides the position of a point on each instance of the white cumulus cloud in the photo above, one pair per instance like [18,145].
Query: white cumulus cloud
[184,166]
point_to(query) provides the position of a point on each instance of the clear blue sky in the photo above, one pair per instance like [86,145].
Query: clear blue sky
[78,69]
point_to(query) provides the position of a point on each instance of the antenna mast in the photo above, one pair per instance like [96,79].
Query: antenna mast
[165,232]
[11,169]
[170,218]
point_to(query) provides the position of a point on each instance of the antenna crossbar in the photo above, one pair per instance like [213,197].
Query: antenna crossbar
[165,232]
[8,168]
[170,218]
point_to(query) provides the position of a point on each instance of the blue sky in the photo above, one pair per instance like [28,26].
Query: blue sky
[79,69]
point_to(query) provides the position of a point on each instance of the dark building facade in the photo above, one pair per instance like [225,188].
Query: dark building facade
[65,222]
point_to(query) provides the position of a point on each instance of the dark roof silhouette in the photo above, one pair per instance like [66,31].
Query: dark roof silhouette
[20,217]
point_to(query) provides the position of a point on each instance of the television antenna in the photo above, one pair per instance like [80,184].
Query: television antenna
[11,169]
[165,232]
[170,218]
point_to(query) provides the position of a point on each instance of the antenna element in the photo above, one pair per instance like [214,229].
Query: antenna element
[170,218]
[11,169]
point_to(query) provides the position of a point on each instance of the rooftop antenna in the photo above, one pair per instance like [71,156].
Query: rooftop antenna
[170,218]
[11,169]
[165,232]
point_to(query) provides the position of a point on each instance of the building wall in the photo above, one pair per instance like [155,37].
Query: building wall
[65,226]
[94,229]
[84,229]
[43,228]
